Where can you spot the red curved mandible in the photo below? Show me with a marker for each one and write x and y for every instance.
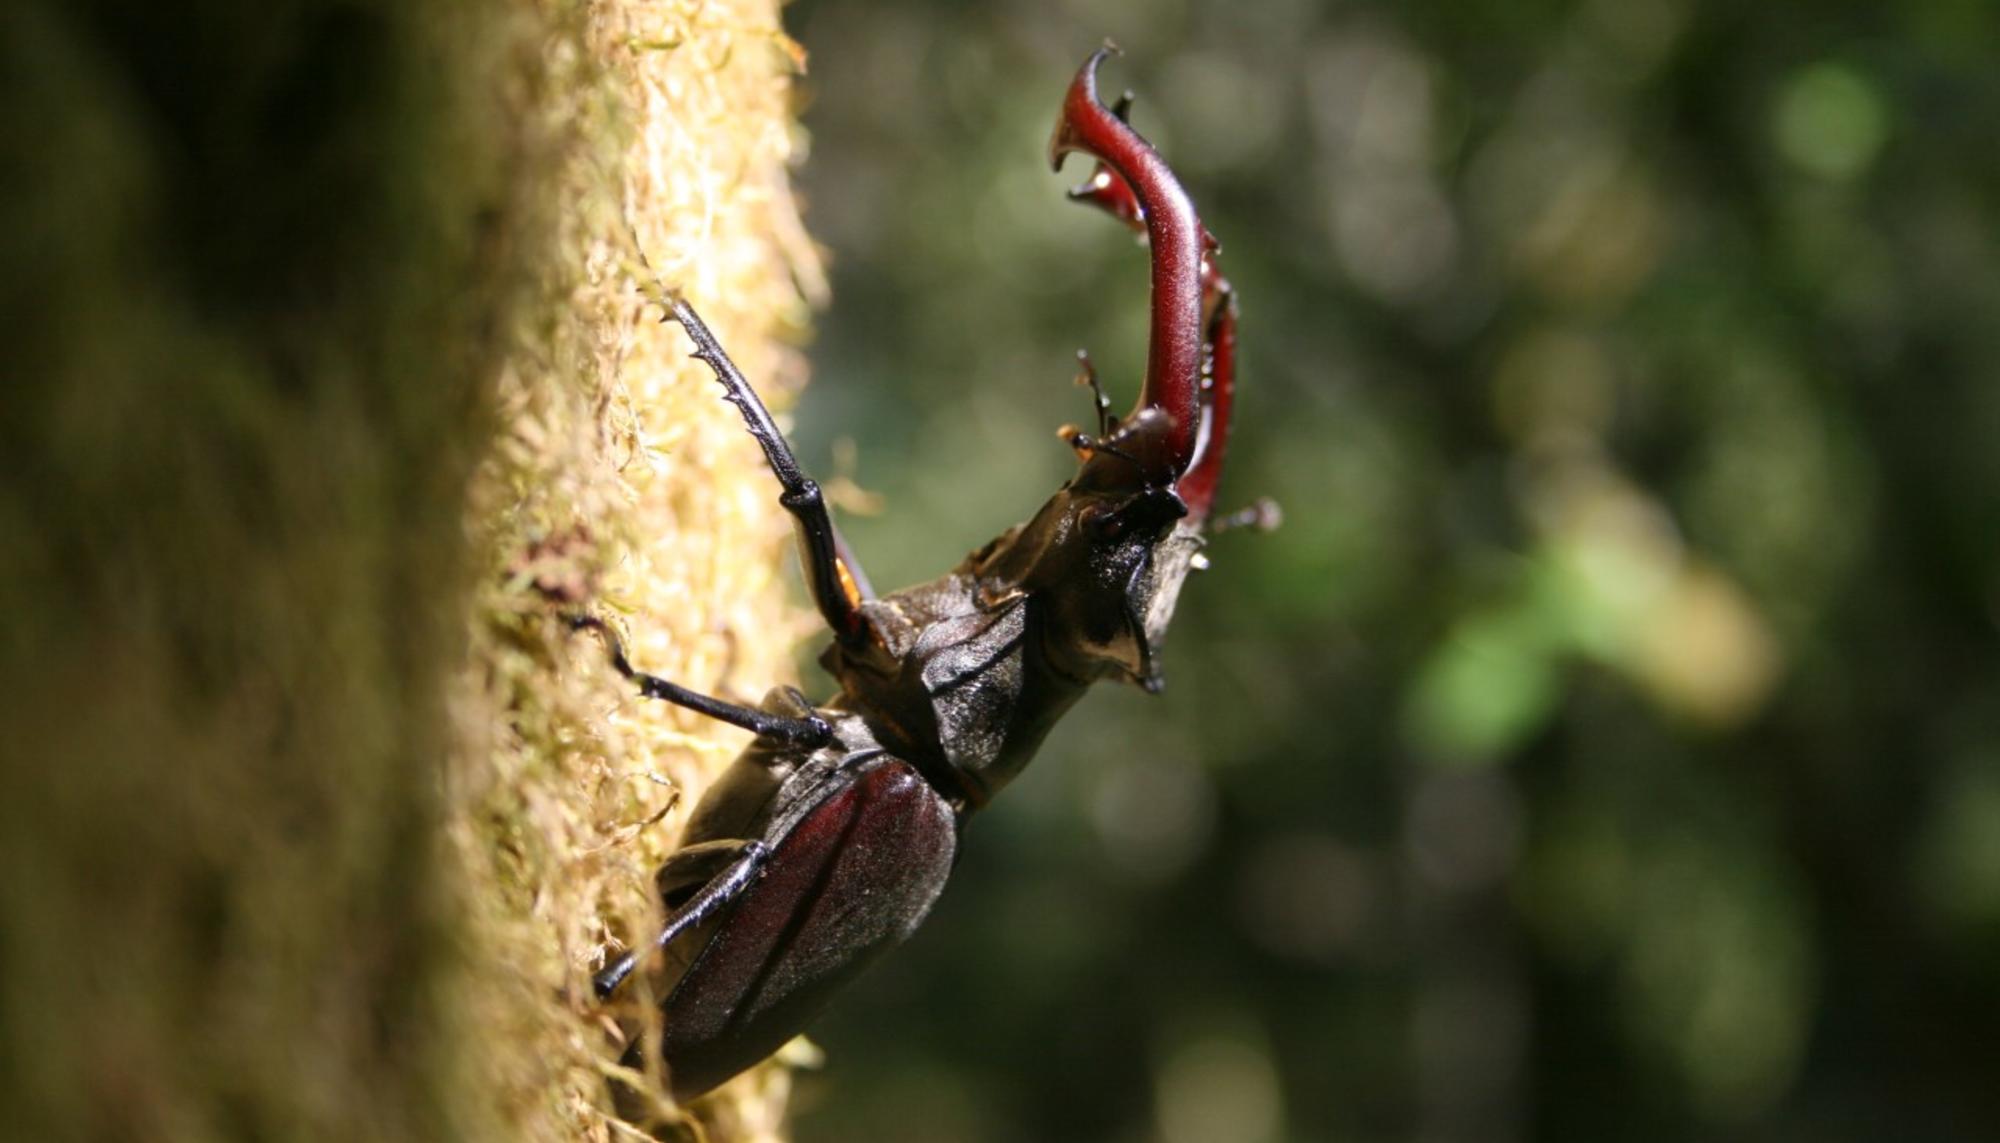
(1174, 354)
(1109, 192)
(1197, 488)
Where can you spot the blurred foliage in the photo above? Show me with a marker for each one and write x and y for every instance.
(1607, 745)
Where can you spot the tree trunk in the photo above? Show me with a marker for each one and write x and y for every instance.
(329, 386)
(623, 486)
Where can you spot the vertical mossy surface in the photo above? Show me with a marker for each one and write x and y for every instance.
(315, 316)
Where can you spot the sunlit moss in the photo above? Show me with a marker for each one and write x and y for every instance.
(623, 486)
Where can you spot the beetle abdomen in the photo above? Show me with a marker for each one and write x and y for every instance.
(849, 882)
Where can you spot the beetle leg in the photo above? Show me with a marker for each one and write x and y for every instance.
(812, 731)
(692, 866)
(745, 859)
(832, 573)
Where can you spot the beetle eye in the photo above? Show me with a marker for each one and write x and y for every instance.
(1105, 524)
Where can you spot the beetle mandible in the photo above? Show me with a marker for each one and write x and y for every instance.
(827, 841)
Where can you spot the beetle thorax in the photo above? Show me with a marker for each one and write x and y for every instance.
(1105, 559)
(965, 675)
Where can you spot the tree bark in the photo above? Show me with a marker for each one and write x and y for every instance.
(623, 486)
(328, 385)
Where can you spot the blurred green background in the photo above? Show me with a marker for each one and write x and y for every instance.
(1608, 746)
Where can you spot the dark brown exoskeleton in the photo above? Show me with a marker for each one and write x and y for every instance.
(827, 841)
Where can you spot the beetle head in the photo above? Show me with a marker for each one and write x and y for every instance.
(1106, 556)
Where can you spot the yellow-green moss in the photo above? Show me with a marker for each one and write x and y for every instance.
(621, 480)
(257, 260)
(324, 340)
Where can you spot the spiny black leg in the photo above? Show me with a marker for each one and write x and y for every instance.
(837, 585)
(811, 732)
(723, 888)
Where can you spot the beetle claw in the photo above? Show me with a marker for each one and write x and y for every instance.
(668, 298)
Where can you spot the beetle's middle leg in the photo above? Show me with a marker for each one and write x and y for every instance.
(811, 731)
(832, 574)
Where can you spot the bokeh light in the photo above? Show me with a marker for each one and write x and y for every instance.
(1605, 747)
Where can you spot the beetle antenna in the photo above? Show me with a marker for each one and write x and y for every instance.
(1086, 374)
(1085, 444)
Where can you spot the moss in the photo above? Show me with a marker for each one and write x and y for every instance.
(621, 483)
(321, 314)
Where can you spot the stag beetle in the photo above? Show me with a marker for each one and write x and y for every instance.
(828, 840)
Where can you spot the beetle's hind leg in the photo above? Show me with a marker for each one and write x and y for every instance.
(811, 731)
(832, 574)
(723, 869)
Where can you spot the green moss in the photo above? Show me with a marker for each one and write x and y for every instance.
(290, 283)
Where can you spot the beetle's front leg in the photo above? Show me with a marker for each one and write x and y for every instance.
(832, 574)
(811, 731)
